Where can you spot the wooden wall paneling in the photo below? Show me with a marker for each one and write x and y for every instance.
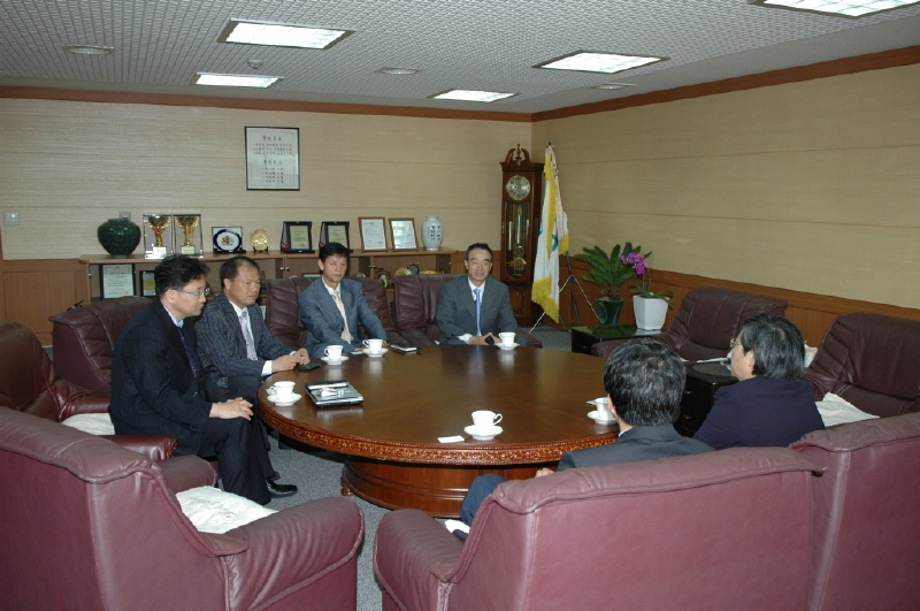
(33, 290)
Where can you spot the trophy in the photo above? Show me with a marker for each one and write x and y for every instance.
(157, 224)
(188, 222)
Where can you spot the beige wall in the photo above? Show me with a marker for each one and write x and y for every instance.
(812, 186)
(68, 166)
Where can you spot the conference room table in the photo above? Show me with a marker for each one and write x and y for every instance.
(392, 455)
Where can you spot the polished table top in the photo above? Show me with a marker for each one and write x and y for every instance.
(411, 400)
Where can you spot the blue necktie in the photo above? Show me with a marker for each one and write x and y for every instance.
(478, 302)
(192, 359)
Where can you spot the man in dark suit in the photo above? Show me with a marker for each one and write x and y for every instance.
(159, 386)
(233, 342)
(332, 307)
(644, 381)
(474, 308)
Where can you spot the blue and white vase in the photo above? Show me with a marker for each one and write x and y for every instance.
(432, 233)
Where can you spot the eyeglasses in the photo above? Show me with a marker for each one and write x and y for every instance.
(736, 341)
(196, 294)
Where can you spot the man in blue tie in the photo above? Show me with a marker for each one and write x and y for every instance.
(474, 308)
(159, 386)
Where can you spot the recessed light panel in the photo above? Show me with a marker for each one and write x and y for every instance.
(235, 80)
(467, 95)
(842, 9)
(608, 63)
(280, 35)
(89, 49)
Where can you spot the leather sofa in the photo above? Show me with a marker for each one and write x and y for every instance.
(870, 360)
(708, 319)
(84, 339)
(722, 530)
(88, 525)
(29, 383)
(282, 313)
(866, 531)
(415, 309)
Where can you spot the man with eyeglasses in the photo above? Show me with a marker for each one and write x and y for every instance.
(159, 385)
(474, 308)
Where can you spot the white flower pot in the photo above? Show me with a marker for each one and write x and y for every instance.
(650, 313)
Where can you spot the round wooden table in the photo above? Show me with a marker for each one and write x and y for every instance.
(392, 454)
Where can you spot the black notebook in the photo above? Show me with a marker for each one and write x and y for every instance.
(325, 394)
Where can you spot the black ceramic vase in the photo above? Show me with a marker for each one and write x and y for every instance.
(119, 237)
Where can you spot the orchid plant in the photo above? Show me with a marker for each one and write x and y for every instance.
(609, 272)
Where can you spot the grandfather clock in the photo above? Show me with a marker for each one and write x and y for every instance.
(522, 199)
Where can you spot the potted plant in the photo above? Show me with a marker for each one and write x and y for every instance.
(650, 308)
(609, 272)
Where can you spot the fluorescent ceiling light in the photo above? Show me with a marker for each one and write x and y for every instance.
(280, 35)
(608, 63)
(613, 86)
(842, 9)
(471, 96)
(89, 49)
(399, 71)
(235, 80)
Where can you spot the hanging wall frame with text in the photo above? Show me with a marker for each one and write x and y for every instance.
(273, 158)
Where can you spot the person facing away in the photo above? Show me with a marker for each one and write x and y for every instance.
(332, 308)
(233, 341)
(159, 386)
(644, 381)
(476, 307)
(771, 404)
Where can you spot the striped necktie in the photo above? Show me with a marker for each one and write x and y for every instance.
(247, 335)
(478, 301)
(337, 298)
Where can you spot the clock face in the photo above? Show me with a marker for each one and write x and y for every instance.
(518, 187)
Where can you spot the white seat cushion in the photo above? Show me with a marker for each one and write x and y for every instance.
(214, 511)
(836, 410)
(94, 424)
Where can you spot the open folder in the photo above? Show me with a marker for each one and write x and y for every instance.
(340, 392)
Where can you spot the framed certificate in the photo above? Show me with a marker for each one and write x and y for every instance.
(297, 236)
(334, 231)
(373, 236)
(273, 158)
(148, 284)
(402, 234)
(117, 280)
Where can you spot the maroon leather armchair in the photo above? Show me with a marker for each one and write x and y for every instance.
(29, 383)
(415, 309)
(708, 320)
(84, 339)
(88, 525)
(867, 535)
(723, 530)
(872, 361)
(282, 312)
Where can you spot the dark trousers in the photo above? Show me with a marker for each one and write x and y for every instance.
(248, 388)
(481, 487)
(242, 456)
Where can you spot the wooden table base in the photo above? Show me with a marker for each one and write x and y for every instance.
(435, 489)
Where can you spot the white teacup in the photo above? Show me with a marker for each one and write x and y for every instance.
(507, 338)
(282, 391)
(374, 346)
(603, 409)
(334, 353)
(484, 420)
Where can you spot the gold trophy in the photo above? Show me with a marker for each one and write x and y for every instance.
(158, 224)
(188, 224)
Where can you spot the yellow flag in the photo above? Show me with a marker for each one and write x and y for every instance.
(552, 241)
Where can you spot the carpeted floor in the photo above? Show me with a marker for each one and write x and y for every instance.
(317, 475)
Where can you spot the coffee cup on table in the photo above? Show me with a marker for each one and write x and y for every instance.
(507, 338)
(282, 391)
(333, 353)
(603, 409)
(374, 346)
(484, 421)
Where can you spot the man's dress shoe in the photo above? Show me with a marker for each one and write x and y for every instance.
(278, 490)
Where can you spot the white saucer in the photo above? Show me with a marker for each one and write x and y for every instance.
(331, 362)
(593, 416)
(375, 356)
(294, 399)
(496, 430)
(506, 348)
